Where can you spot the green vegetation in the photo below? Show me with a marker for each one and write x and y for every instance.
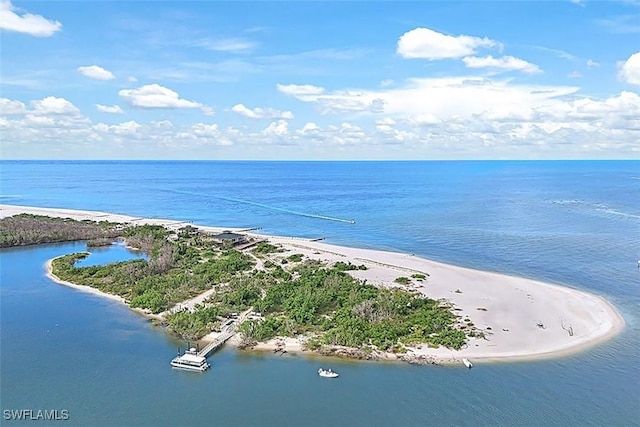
(196, 324)
(266, 248)
(403, 280)
(299, 297)
(26, 229)
(347, 266)
(418, 276)
(340, 310)
(295, 258)
(176, 271)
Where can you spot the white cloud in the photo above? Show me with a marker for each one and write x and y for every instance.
(202, 129)
(630, 70)
(279, 128)
(27, 23)
(201, 133)
(261, 113)
(299, 90)
(53, 105)
(127, 128)
(440, 97)
(429, 44)
(43, 107)
(7, 106)
(114, 109)
(309, 128)
(385, 125)
(156, 96)
(591, 63)
(207, 111)
(96, 72)
(503, 63)
(424, 119)
(574, 75)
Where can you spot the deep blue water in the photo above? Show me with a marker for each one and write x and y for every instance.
(575, 223)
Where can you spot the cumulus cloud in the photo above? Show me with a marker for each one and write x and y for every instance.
(308, 128)
(503, 63)
(429, 44)
(8, 106)
(156, 96)
(630, 70)
(114, 109)
(279, 128)
(96, 72)
(202, 133)
(53, 105)
(261, 113)
(27, 23)
(41, 107)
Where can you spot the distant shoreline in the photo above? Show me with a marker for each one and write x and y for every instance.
(523, 319)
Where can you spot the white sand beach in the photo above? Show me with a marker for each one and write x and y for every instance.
(521, 318)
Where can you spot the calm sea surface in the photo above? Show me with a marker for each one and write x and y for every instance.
(575, 223)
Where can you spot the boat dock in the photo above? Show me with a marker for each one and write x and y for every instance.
(213, 345)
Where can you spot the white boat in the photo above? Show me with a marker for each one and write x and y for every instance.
(327, 373)
(467, 363)
(190, 361)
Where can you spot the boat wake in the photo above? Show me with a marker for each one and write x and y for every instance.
(595, 207)
(262, 205)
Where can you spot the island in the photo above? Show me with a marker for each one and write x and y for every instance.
(289, 294)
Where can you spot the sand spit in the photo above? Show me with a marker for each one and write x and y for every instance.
(521, 318)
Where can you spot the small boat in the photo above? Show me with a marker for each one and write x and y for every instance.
(327, 373)
(467, 363)
(190, 361)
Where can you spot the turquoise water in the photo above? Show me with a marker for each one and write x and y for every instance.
(576, 223)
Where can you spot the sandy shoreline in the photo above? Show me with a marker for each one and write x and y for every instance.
(507, 309)
(94, 291)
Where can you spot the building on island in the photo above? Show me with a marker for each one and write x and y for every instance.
(230, 238)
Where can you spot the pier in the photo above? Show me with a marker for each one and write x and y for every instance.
(221, 339)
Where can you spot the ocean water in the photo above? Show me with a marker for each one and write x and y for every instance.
(573, 223)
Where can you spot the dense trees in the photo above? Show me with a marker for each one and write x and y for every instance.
(25, 229)
(340, 310)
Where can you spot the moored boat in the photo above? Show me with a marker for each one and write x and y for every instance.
(467, 363)
(190, 361)
(327, 373)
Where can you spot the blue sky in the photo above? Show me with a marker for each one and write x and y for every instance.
(320, 80)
